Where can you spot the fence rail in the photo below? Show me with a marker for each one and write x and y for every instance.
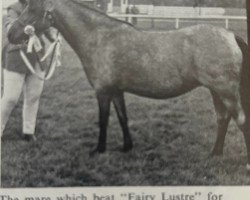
(178, 18)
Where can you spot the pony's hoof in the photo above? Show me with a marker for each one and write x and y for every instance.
(216, 153)
(96, 151)
(126, 149)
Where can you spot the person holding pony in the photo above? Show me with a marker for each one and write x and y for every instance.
(18, 78)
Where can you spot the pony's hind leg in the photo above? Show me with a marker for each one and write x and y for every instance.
(245, 128)
(242, 120)
(246, 131)
(223, 119)
(120, 107)
(245, 97)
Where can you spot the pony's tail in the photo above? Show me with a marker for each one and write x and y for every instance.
(245, 77)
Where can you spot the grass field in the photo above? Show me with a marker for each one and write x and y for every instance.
(173, 140)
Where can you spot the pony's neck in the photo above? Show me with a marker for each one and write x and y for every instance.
(67, 20)
(79, 24)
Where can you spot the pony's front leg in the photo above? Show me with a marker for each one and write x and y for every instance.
(104, 101)
(120, 108)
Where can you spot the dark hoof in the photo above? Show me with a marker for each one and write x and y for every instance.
(216, 153)
(29, 138)
(127, 148)
(96, 151)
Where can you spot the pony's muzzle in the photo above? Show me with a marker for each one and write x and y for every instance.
(11, 37)
(15, 37)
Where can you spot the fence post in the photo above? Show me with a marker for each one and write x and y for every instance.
(130, 19)
(152, 23)
(227, 23)
(177, 23)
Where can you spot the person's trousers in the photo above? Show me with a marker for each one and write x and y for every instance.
(14, 84)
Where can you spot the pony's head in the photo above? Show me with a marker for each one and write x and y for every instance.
(37, 13)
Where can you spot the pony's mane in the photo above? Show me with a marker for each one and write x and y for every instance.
(82, 4)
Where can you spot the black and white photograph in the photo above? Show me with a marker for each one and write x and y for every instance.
(125, 93)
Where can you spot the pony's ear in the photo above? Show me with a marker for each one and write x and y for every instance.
(49, 5)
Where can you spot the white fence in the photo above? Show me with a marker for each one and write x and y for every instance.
(172, 10)
(178, 18)
(175, 10)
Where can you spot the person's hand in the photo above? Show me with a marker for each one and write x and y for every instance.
(29, 30)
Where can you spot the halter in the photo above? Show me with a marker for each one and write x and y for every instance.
(47, 14)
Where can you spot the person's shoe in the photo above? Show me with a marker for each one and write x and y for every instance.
(29, 138)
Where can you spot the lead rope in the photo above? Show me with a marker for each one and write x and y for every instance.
(34, 43)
